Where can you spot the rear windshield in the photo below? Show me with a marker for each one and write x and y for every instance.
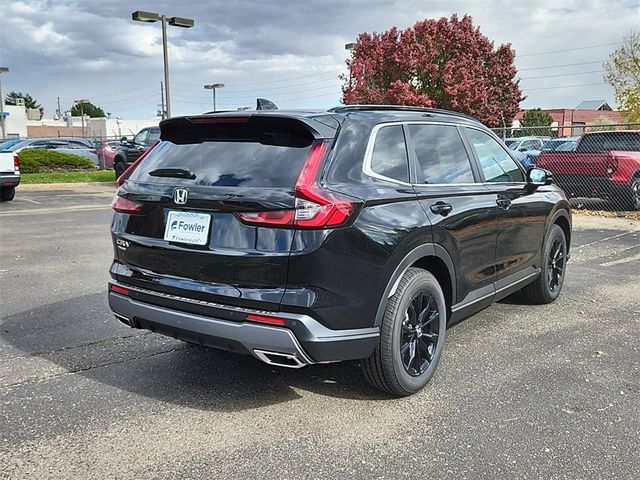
(248, 155)
(606, 142)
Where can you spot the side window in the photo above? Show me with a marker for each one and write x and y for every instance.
(154, 136)
(389, 157)
(495, 162)
(141, 138)
(441, 154)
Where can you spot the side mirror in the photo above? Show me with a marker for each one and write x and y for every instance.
(539, 176)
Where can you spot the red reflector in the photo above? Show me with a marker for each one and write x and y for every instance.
(117, 289)
(16, 162)
(265, 319)
(123, 205)
(274, 217)
(220, 120)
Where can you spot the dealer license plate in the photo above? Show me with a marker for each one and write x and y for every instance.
(187, 227)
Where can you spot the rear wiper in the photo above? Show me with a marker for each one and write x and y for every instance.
(173, 172)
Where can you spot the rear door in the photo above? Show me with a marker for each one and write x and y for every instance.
(213, 169)
(461, 210)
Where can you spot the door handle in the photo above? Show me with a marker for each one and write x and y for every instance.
(503, 202)
(441, 208)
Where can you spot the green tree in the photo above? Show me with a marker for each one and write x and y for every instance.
(87, 108)
(536, 118)
(601, 124)
(622, 72)
(29, 102)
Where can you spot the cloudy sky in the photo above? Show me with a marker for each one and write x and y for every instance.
(291, 52)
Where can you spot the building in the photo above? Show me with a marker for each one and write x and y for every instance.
(578, 119)
(18, 124)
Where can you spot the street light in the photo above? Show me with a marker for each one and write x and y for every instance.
(2, 114)
(213, 88)
(150, 17)
(82, 102)
(350, 47)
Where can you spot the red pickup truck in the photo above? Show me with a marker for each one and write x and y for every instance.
(604, 165)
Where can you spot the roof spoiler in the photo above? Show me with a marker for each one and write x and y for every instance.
(264, 104)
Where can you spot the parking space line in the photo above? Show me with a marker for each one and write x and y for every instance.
(603, 240)
(28, 200)
(79, 208)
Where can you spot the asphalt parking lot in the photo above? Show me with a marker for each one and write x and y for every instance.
(521, 392)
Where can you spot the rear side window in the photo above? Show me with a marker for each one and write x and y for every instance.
(496, 164)
(441, 154)
(605, 142)
(389, 157)
(246, 155)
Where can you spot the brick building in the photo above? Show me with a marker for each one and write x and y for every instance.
(579, 118)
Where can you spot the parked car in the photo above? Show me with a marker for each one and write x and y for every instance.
(9, 175)
(525, 144)
(5, 145)
(128, 152)
(107, 149)
(76, 146)
(357, 233)
(565, 144)
(604, 165)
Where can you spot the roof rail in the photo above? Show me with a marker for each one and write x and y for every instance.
(403, 108)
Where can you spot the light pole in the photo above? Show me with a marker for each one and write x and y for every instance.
(81, 102)
(213, 87)
(350, 47)
(150, 17)
(4, 133)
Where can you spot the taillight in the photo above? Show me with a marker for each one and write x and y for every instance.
(127, 173)
(315, 207)
(612, 165)
(124, 205)
(16, 163)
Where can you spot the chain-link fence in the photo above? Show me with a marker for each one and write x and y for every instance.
(598, 166)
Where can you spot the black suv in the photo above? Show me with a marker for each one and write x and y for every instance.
(357, 233)
(128, 152)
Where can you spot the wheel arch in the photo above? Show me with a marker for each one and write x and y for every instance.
(431, 257)
(561, 218)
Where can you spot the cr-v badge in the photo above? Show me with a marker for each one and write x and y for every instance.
(180, 196)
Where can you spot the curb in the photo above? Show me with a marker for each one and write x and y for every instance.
(63, 186)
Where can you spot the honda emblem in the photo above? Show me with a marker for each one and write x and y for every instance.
(180, 196)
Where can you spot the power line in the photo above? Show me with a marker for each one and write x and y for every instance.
(267, 82)
(569, 49)
(560, 66)
(565, 86)
(562, 75)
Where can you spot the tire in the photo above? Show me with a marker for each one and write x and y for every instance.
(119, 168)
(546, 288)
(7, 193)
(633, 199)
(391, 368)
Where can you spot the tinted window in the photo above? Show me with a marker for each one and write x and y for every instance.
(154, 136)
(441, 154)
(605, 142)
(240, 155)
(389, 156)
(495, 162)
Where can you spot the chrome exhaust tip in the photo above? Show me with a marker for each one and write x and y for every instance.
(278, 359)
(123, 319)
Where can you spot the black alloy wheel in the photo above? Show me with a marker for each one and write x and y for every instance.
(555, 265)
(420, 331)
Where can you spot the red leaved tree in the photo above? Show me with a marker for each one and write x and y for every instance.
(444, 63)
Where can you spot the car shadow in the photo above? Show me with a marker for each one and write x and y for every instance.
(82, 336)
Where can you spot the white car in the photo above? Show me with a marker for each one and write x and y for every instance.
(9, 175)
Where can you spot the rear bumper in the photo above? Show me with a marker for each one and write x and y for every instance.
(9, 180)
(303, 340)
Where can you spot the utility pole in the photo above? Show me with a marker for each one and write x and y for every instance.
(59, 111)
(2, 114)
(163, 111)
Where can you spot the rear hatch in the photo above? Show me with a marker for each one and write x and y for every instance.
(185, 220)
